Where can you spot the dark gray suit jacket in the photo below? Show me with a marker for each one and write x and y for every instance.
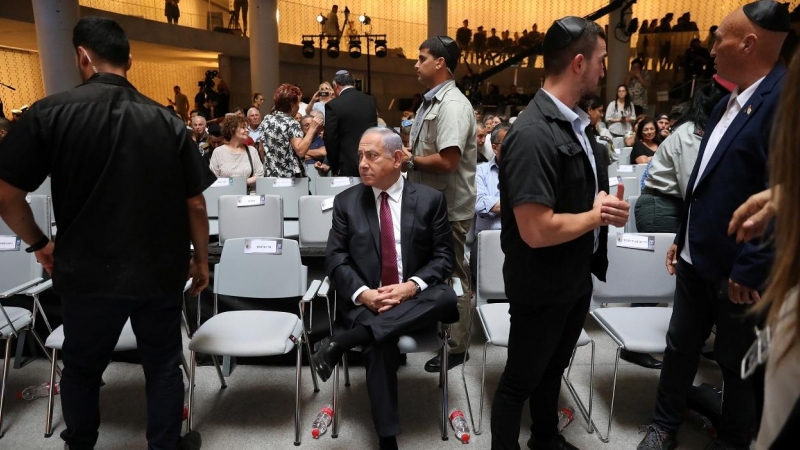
(353, 254)
(346, 119)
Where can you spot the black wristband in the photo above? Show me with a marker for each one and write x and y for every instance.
(39, 245)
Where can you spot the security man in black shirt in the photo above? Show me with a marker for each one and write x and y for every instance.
(555, 182)
(128, 186)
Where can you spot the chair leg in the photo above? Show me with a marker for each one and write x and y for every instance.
(48, 424)
(443, 371)
(311, 366)
(298, 370)
(346, 370)
(4, 381)
(44, 349)
(222, 383)
(184, 364)
(192, 366)
(475, 429)
(335, 419)
(611, 409)
(586, 413)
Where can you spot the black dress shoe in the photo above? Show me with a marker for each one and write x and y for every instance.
(325, 358)
(557, 443)
(190, 441)
(387, 443)
(640, 359)
(434, 365)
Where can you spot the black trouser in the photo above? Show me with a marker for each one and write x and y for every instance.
(540, 345)
(91, 329)
(696, 309)
(382, 357)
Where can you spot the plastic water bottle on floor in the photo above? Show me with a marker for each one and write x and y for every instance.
(38, 391)
(322, 422)
(565, 416)
(460, 426)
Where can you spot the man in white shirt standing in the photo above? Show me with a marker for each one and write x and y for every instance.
(717, 278)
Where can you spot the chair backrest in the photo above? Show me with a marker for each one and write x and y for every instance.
(618, 142)
(490, 267)
(291, 189)
(46, 189)
(275, 273)
(632, 186)
(631, 226)
(17, 266)
(636, 275)
(238, 219)
(626, 170)
(625, 155)
(334, 185)
(315, 223)
(223, 186)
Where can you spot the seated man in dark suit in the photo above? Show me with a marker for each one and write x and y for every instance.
(389, 253)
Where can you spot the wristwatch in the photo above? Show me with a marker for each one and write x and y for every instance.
(419, 289)
(410, 166)
(42, 243)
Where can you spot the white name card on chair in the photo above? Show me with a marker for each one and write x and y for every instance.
(9, 244)
(250, 200)
(283, 182)
(613, 181)
(341, 181)
(327, 204)
(626, 168)
(636, 241)
(266, 246)
(222, 182)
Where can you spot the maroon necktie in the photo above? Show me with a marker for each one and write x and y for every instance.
(388, 249)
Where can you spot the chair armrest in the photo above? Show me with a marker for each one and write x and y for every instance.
(312, 291)
(21, 287)
(39, 288)
(324, 287)
(456, 285)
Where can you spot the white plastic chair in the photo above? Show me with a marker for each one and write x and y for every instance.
(433, 339)
(239, 219)
(290, 189)
(269, 275)
(631, 226)
(234, 186)
(635, 276)
(496, 322)
(334, 185)
(315, 222)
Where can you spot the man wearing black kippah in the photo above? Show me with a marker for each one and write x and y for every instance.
(718, 279)
(554, 180)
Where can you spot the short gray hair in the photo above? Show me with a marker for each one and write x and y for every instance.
(502, 126)
(391, 141)
(317, 114)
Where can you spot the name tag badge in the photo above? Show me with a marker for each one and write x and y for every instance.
(341, 181)
(626, 168)
(636, 241)
(222, 182)
(283, 182)
(613, 181)
(327, 204)
(250, 200)
(9, 243)
(263, 246)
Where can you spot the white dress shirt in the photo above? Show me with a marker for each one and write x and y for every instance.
(735, 105)
(395, 201)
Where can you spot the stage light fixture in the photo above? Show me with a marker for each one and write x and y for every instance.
(365, 19)
(308, 48)
(321, 19)
(380, 48)
(333, 47)
(355, 48)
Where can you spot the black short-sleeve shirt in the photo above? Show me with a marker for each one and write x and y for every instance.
(122, 167)
(639, 149)
(543, 162)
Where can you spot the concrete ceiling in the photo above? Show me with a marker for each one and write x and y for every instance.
(22, 35)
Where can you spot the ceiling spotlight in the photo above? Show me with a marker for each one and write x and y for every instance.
(333, 47)
(380, 48)
(355, 48)
(321, 19)
(365, 19)
(308, 48)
